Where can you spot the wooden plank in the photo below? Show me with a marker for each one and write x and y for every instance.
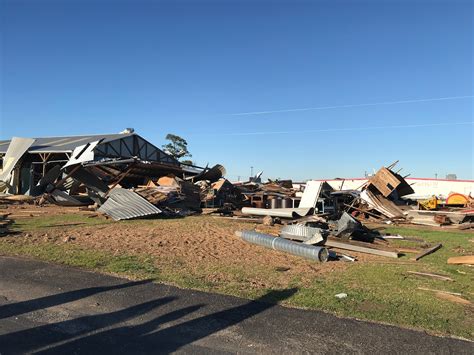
(439, 291)
(346, 246)
(408, 250)
(434, 276)
(453, 298)
(468, 259)
(428, 251)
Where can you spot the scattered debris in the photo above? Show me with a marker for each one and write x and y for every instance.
(428, 252)
(430, 275)
(347, 258)
(307, 235)
(291, 213)
(460, 260)
(452, 298)
(440, 291)
(346, 246)
(393, 237)
(126, 204)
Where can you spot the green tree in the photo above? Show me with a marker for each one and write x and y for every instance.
(177, 147)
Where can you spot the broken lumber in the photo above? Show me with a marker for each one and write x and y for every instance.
(439, 291)
(428, 251)
(434, 276)
(347, 246)
(467, 259)
(408, 250)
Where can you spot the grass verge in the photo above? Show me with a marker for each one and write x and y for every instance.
(379, 290)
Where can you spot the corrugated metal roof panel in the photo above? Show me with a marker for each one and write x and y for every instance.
(126, 204)
(64, 144)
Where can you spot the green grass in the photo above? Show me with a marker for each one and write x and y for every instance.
(126, 265)
(378, 291)
(56, 221)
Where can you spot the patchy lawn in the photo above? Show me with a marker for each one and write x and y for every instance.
(202, 252)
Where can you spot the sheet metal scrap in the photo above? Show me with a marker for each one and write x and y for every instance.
(307, 235)
(17, 148)
(381, 204)
(346, 225)
(212, 174)
(125, 204)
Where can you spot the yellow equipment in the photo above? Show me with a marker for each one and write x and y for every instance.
(457, 199)
(429, 205)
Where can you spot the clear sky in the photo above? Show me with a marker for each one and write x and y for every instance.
(194, 68)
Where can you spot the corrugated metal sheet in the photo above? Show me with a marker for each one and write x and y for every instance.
(126, 204)
(63, 144)
(14, 152)
(303, 233)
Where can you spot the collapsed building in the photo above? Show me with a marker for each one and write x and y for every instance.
(77, 170)
(30, 160)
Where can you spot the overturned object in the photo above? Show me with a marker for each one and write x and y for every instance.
(126, 204)
(306, 251)
(386, 182)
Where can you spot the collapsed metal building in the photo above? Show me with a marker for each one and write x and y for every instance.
(97, 161)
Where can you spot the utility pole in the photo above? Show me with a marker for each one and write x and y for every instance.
(251, 171)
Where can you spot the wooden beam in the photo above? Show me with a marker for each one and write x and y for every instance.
(347, 246)
(428, 251)
(434, 276)
(468, 259)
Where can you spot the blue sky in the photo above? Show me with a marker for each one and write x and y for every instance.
(191, 67)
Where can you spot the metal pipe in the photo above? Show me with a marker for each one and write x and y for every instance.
(310, 252)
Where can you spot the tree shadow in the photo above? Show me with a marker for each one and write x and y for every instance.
(29, 340)
(148, 338)
(18, 308)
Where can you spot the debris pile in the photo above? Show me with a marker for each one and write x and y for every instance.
(309, 238)
(91, 170)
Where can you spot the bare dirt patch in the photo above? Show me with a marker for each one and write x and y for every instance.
(201, 244)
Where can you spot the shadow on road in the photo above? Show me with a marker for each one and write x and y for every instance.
(148, 338)
(18, 308)
(45, 335)
(106, 333)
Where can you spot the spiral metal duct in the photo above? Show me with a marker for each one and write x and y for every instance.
(306, 251)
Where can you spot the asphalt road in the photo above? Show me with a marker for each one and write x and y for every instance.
(47, 308)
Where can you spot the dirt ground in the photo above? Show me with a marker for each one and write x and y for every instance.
(198, 242)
